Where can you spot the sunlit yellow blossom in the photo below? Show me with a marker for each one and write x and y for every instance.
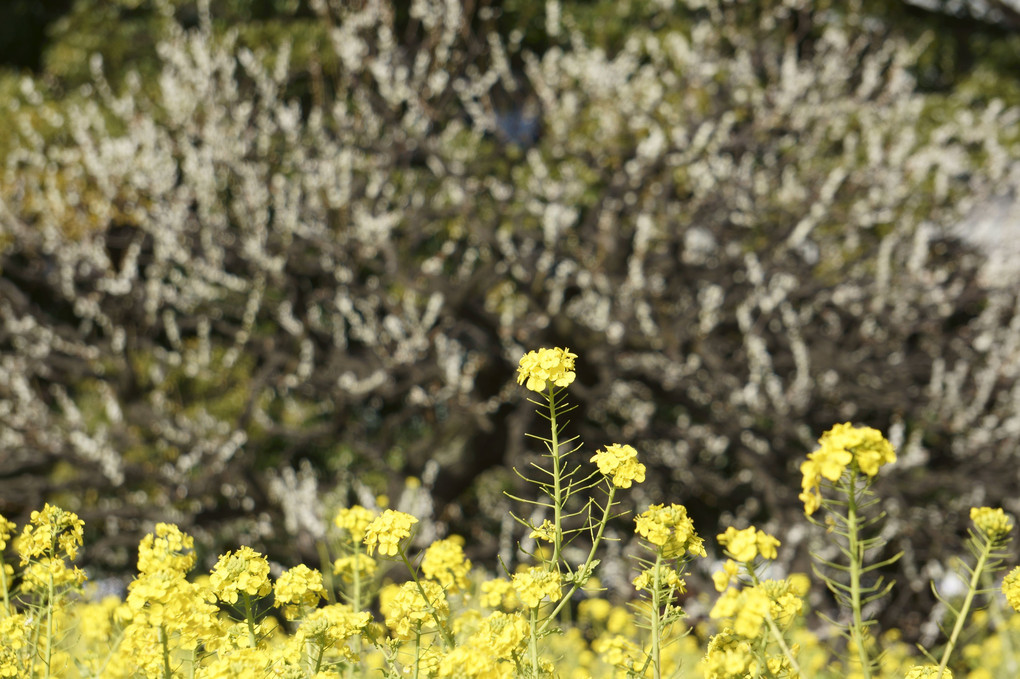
(745, 545)
(616, 650)
(620, 462)
(498, 593)
(50, 531)
(355, 521)
(927, 672)
(502, 633)
(328, 629)
(7, 529)
(668, 578)
(244, 663)
(406, 611)
(535, 584)
(387, 530)
(722, 579)
(839, 447)
(994, 524)
(746, 609)
(14, 638)
(546, 531)
(728, 656)
(671, 529)
(44, 572)
(245, 571)
(444, 562)
(167, 548)
(473, 662)
(546, 365)
(1011, 588)
(297, 588)
(784, 601)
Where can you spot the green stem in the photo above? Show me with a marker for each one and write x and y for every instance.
(656, 621)
(49, 624)
(972, 588)
(249, 616)
(534, 641)
(167, 672)
(587, 562)
(557, 490)
(856, 564)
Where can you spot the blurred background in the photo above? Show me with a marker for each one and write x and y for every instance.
(259, 260)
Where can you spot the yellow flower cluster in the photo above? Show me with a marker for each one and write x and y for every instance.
(745, 545)
(994, 524)
(50, 531)
(242, 572)
(842, 446)
(746, 608)
(329, 628)
(928, 672)
(444, 562)
(620, 462)
(1011, 588)
(546, 365)
(298, 588)
(355, 521)
(167, 548)
(668, 578)
(387, 530)
(346, 565)
(499, 593)
(407, 612)
(535, 584)
(7, 529)
(671, 530)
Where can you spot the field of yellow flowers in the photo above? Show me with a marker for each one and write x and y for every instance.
(449, 618)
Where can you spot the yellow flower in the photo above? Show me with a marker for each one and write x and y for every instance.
(407, 612)
(728, 656)
(745, 545)
(245, 571)
(746, 608)
(546, 365)
(620, 462)
(927, 672)
(6, 531)
(839, 447)
(498, 593)
(1011, 588)
(616, 650)
(444, 562)
(994, 524)
(297, 588)
(355, 521)
(502, 633)
(330, 627)
(535, 584)
(670, 529)
(387, 530)
(546, 531)
(166, 549)
(48, 532)
(722, 579)
(668, 577)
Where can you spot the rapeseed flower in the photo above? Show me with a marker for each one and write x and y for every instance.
(840, 447)
(994, 524)
(620, 462)
(407, 612)
(355, 521)
(7, 529)
(50, 531)
(1011, 588)
(346, 565)
(670, 529)
(329, 628)
(746, 608)
(546, 365)
(502, 633)
(729, 656)
(167, 548)
(297, 588)
(745, 545)
(242, 572)
(444, 562)
(722, 579)
(927, 672)
(535, 584)
(387, 530)
(668, 577)
(498, 593)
